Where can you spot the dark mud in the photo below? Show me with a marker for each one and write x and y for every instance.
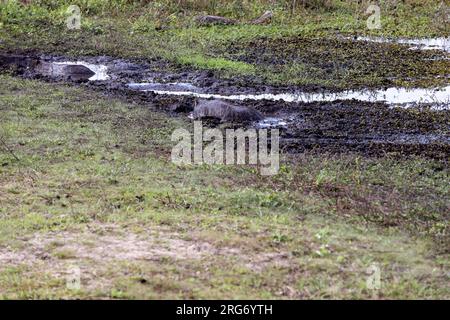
(337, 126)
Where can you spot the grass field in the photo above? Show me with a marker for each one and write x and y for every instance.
(86, 181)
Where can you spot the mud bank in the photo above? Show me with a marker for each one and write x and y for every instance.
(362, 121)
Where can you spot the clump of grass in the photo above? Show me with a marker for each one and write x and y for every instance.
(203, 62)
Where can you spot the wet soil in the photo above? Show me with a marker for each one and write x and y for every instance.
(358, 64)
(370, 128)
(336, 126)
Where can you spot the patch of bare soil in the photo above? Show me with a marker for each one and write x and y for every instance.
(98, 247)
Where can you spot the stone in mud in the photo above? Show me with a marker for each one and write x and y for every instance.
(225, 111)
(77, 72)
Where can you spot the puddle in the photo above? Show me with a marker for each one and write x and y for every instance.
(99, 69)
(271, 122)
(442, 43)
(401, 97)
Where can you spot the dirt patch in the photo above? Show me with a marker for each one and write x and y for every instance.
(97, 247)
(105, 244)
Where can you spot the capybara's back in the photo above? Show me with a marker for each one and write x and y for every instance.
(225, 111)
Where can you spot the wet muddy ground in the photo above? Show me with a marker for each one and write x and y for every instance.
(404, 121)
(341, 63)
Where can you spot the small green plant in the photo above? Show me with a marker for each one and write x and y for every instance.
(324, 177)
(117, 294)
(280, 238)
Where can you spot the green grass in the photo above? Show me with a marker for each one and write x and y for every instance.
(163, 30)
(201, 62)
(85, 171)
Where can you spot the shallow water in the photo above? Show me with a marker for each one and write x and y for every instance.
(101, 71)
(402, 97)
(271, 122)
(422, 44)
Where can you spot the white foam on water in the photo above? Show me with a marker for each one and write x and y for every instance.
(101, 71)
